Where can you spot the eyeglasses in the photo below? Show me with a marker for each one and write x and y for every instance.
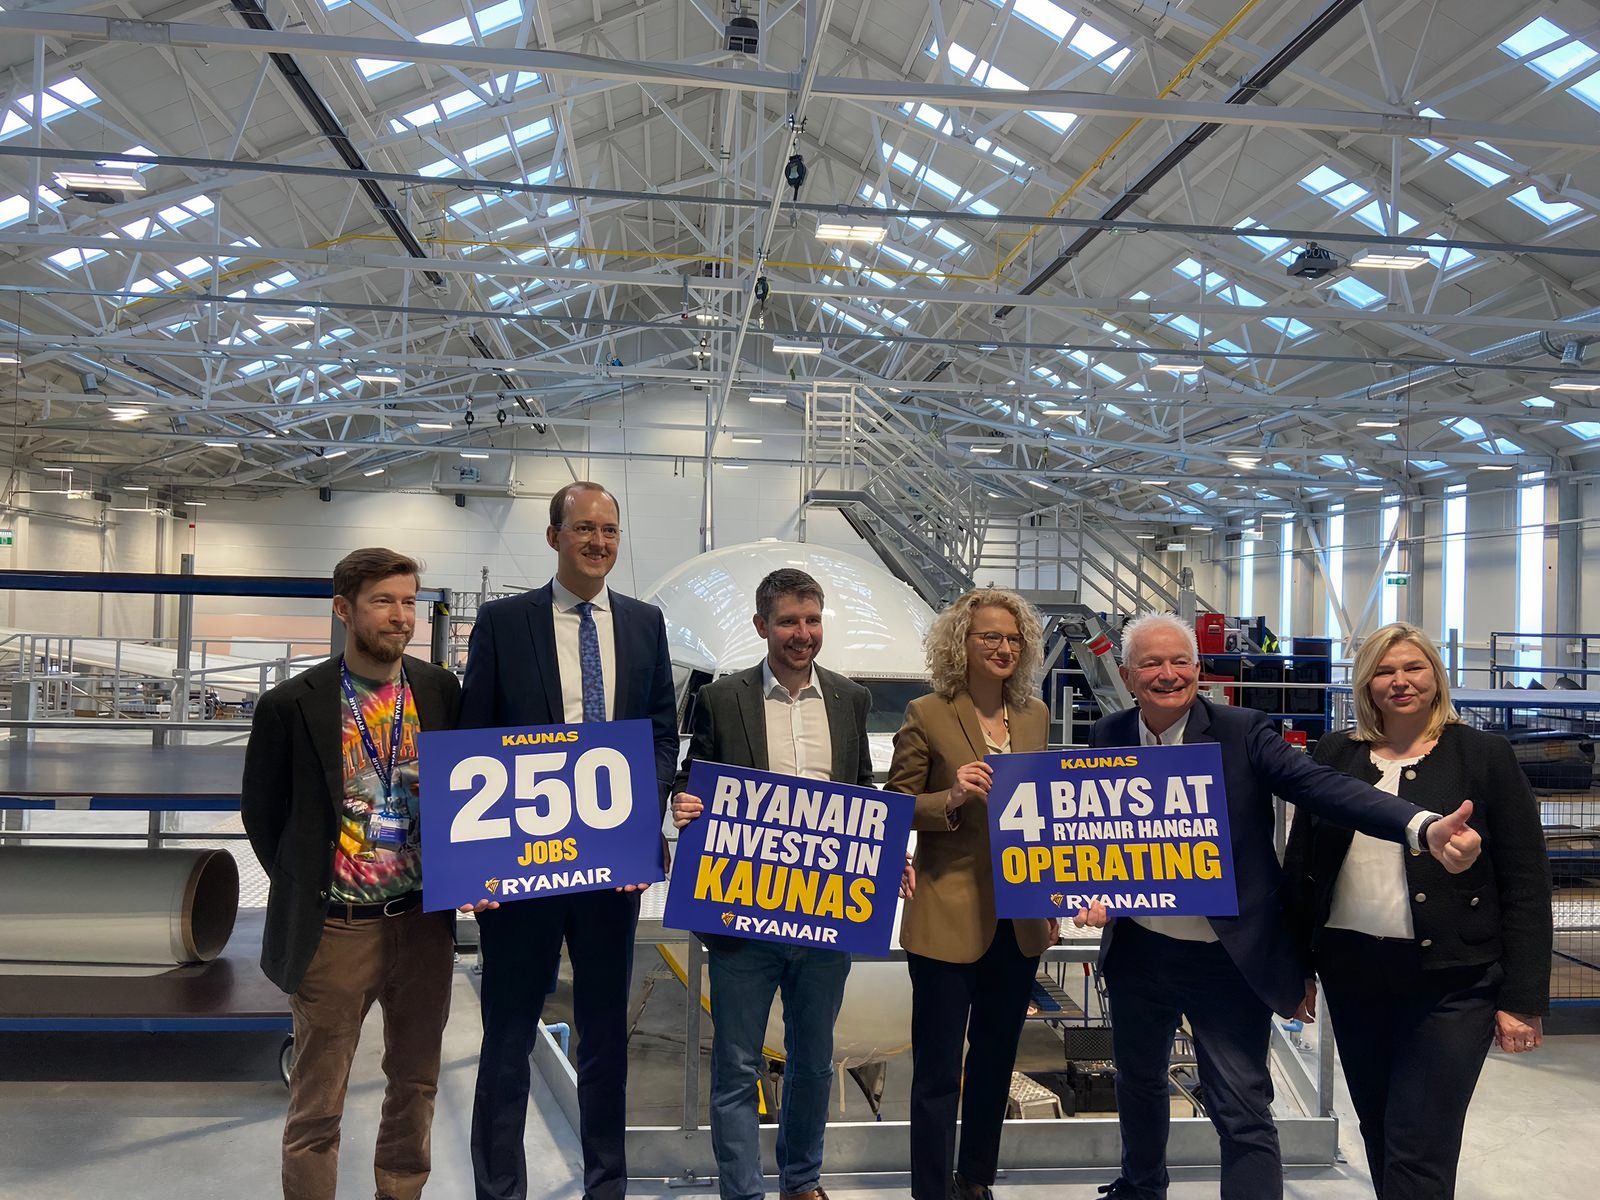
(991, 640)
(587, 530)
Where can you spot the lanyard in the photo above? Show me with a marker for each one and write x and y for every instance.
(385, 775)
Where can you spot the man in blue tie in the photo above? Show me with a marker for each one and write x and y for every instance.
(570, 651)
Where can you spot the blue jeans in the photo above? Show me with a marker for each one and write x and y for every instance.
(743, 983)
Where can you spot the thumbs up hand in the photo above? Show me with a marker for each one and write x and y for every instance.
(1453, 842)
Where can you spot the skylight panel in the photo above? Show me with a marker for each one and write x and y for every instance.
(452, 33)
(986, 74)
(1337, 460)
(1268, 245)
(1560, 62)
(1353, 291)
(1587, 431)
(1465, 428)
(1550, 212)
(1502, 445)
(62, 97)
(858, 325)
(1290, 327)
(72, 260)
(1085, 39)
(12, 210)
(493, 148)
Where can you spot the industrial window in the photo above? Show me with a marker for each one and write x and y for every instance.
(946, 187)
(493, 148)
(1574, 58)
(1359, 202)
(937, 119)
(1235, 293)
(1530, 570)
(1389, 605)
(1335, 547)
(1247, 577)
(66, 95)
(1285, 628)
(457, 103)
(986, 74)
(1455, 562)
(1082, 37)
(453, 33)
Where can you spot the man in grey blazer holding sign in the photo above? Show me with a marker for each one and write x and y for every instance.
(788, 715)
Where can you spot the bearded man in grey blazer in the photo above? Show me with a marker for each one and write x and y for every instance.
(789, 715)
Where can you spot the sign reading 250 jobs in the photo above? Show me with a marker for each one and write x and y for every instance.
(1142, 829)
(537, 811)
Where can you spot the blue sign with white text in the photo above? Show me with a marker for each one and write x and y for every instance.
(780, 858)
(537, 811)
(1142, 829)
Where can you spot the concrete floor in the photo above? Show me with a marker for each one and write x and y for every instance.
(198, 1117)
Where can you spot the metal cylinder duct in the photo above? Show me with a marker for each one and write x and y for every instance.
(103, 905)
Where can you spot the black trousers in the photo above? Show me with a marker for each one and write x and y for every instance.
(520, 948)
(1153, 981)
(983, 1003)
(1412, 1043)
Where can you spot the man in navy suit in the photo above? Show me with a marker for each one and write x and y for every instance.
(570, 651)
(1227, 975)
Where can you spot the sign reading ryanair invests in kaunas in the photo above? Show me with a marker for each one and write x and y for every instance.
(780, 858)
(1142, 829)
(537, 811)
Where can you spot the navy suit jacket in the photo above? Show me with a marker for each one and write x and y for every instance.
(512, 677)
(1258, 764)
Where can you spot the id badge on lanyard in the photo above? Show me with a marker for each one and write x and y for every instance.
(389, 824)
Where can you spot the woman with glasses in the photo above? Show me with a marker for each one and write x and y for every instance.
(971, 974)
(1422, 969)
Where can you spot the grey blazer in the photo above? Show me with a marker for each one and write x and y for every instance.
(730, 726)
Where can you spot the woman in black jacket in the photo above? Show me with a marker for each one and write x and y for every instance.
(1422, 969)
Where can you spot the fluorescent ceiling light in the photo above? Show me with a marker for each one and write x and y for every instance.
(1389, 260)
(1244, 461)
(1064, 412)
(1039, 484)
(60, 470)
(1201, 528)
(1281, 516)
(8, 359)
(378, 376)
(835, 231)
(336, 454)
(1496, 467)
(1377, 424)
(1145, 537)
(432, 425)
(734, 466)
(374, 471)
(111, 181)
(769, 399)
(797, 347)
(222, 445)
(1368, 487)
(1176, 546)
(1177, 366)
(129, 414)
(287, 318)
(745, 439)
(195, 503)
(132, 488)
(1577, 383)
(1155, 482)
(980, 449)
(472, 454)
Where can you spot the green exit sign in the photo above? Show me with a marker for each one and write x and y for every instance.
(8, 537)
(1397, 578)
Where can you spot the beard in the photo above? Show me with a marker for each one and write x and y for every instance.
(379, 650)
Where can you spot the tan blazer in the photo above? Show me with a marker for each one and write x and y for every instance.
(951, 916)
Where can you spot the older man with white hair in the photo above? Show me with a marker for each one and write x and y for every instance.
(1226, 975)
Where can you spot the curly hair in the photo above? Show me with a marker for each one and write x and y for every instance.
(946, 644)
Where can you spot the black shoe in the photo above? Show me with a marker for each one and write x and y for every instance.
(1120, 1189)
(960, 1189)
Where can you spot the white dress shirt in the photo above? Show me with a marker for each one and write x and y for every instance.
(797, 728)
(1371, 896)
(568, 665)
(1188, 929)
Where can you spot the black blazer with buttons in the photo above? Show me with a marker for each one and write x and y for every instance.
(292, 793)
(1496, 910)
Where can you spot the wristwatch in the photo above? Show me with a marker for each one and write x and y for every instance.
(1422, 833)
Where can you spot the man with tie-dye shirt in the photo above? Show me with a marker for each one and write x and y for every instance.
(330, 802)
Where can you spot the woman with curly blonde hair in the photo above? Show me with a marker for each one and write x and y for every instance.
(985, 656)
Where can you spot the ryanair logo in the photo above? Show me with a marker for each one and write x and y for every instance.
(1057, 899)
(491, 886)
(727, 918)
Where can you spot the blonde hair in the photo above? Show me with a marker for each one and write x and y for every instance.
(946, 644)
(1369, 721)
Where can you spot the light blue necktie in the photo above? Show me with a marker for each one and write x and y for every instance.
(594, 683)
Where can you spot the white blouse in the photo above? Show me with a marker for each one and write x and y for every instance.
(1370, 895)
